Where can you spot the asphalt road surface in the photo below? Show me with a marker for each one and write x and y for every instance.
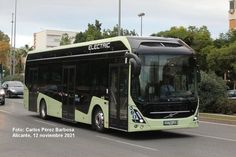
(24, 134)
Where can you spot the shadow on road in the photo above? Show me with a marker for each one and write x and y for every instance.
(146, 135)
(15, 97)
(149, 135)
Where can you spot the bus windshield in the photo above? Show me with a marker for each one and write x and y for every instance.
(165, 78)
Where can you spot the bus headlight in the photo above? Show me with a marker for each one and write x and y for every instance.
(136, 116)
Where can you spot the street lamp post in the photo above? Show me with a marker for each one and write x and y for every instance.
(11, 49)
(14, 51)
(119, 18)
(141, 16)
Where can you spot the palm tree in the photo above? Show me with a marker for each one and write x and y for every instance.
(21, 54)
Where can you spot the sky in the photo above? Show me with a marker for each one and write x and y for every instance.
(74, 15)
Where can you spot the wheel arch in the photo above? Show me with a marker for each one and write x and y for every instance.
(40, 102)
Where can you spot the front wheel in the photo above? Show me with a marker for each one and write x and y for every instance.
(98, 120)
(43, 110)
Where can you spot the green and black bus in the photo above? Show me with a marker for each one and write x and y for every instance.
(123, 83)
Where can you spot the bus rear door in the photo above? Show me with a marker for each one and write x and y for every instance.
(33, 89)
(68, 104)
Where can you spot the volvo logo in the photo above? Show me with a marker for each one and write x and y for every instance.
(171, 115)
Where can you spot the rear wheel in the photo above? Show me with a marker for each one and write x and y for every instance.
(98, 120)
(43, 110)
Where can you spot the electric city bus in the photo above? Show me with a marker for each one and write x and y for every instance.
(124, 83)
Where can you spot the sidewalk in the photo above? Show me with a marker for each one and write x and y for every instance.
(218, 118)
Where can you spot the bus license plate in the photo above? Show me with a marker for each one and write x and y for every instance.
(170, 122)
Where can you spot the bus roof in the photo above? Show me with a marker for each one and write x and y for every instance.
(131, 42)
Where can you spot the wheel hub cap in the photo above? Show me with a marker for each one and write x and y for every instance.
(99, 120)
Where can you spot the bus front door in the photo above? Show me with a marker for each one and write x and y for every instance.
(118, 97)
(68, 96)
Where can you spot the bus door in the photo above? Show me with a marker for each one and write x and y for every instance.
(118, 96)
(68, 96)
(33, 89)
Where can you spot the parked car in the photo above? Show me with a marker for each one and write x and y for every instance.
(2, 96)
(13, 88)
(231, 94)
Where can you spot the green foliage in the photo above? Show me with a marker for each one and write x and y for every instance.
(4, 37)
(197, 38)
(16, 77)
(94, 32)
(231, 106)
(4, 47)
(225, 39)
(107, 33)
(65, 39)
(225, 106)
(223, 60)
(212, 93)
(20, 56)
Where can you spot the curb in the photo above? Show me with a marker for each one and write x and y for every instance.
(219, 118)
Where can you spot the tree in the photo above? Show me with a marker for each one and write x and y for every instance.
(24, 50)
(107, 33)
(80, 37)
(176, 32)
(20, 56)
(94, 32)
(4, 37)
(213, 94)
(4, 47)
(65, 39)
(223, 62)
(197, 38)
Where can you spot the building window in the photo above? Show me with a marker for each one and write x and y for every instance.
(231, 5)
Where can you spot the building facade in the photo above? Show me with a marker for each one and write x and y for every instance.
(232, 14)
(50, 38)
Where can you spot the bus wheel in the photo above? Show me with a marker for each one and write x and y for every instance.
(43, 110)
(98, 120)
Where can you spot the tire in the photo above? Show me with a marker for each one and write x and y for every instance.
(43, 110)
(98, 120)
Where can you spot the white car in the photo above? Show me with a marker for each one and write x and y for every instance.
(13, 88)
(2, 96)
(231, 94)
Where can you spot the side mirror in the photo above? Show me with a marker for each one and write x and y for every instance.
(135, 62)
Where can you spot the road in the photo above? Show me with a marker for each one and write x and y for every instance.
(209, 140)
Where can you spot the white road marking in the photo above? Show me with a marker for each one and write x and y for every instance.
(130, 144)
(208, 136)
(218, 123)
(5, 111)
(45, 122)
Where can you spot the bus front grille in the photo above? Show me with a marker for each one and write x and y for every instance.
(169, 110)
